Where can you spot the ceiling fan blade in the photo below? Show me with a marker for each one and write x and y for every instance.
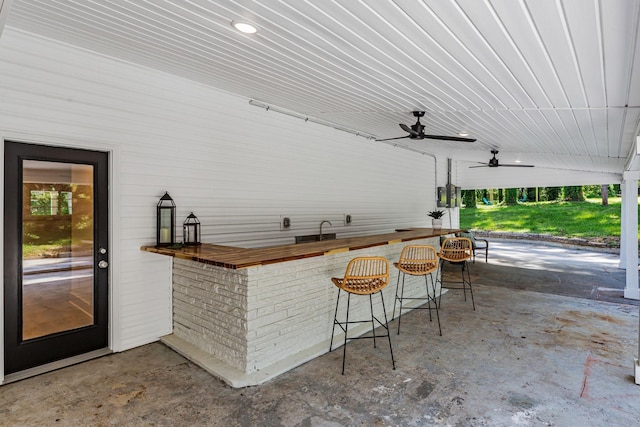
(486, 165)
(389, 139)
(409, 130)
(449, 138)
(516, 166)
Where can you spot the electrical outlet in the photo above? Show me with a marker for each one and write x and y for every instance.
(286, 222)
(347, 219)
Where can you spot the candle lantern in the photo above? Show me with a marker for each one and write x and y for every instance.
(191, 230)
(165, 221)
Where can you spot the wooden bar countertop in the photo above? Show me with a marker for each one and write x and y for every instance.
(234, 257)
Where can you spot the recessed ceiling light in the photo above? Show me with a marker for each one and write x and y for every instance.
(463, 133)
(518, 161)
(244, 27)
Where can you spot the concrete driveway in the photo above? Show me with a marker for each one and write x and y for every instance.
(555, 270)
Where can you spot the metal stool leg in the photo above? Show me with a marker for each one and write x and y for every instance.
(433, 287)
(470, 288)
(335, 319)
(346, 326)
(464, 285)
(401, 298)
(373, 325)
(435, 303)
(386, 325)
(393, 315)
(440, 275)
(426, 285)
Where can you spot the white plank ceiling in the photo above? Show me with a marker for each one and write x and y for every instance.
(555, 83)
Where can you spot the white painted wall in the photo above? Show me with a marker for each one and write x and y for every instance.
(238, 168)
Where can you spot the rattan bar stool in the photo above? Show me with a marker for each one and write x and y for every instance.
(417, 260)
(364, 276)
(458, 251)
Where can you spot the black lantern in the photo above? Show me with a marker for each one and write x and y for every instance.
(165, 221)
(191, 230)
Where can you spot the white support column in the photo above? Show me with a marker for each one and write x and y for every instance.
(629, 233)
(623, 235)
(629, 236)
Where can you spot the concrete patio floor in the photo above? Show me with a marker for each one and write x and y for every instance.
(522, 358)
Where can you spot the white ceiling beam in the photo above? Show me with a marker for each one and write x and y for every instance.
(5, 6)
(633, 161)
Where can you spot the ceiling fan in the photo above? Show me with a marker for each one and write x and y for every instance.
(417, 132)
(493, 163)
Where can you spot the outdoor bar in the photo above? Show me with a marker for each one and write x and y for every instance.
(249, 314)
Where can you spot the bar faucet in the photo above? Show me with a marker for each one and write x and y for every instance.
(321, 227)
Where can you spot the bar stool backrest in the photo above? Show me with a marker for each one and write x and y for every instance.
(418, 260)
(456, 249)
(365, 275)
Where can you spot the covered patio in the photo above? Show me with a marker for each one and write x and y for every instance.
(310, 121)
(531, 354)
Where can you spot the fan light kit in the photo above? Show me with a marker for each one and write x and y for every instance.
(494, 163)
(417, 132)
(244, 27)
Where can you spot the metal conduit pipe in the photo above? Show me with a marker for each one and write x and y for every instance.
(306, 118)
(435, 164)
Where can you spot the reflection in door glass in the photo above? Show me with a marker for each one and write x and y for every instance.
(57, 247)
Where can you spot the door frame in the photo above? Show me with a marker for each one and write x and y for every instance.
(114, 336)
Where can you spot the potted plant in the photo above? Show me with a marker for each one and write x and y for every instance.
(436, 218)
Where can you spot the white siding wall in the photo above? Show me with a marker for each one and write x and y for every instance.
(238, 168)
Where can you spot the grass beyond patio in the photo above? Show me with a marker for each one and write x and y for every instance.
(588, 220)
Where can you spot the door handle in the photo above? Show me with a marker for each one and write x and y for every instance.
(103, 264)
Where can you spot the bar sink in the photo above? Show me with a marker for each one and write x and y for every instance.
(315, 237)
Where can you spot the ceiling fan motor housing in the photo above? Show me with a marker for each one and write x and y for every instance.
(417, 128)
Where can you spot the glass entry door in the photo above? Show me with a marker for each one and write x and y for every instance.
(56, 254)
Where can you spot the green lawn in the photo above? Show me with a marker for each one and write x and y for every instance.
(589, 219)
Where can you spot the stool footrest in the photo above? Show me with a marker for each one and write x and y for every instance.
(461, 285)
(339, 323)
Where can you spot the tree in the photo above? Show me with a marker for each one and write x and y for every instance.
(616, 189)
(552, 193)
(469, 199)
(574, 193)
(511, 196)
(592, 191)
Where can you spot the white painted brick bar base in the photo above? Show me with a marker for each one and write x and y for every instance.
(277, 315)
